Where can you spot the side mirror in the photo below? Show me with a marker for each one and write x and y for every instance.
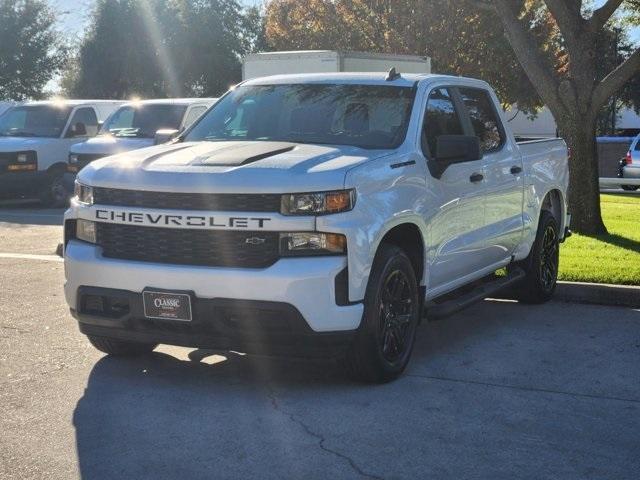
(163, 136)
(452, 149)
(79, 129)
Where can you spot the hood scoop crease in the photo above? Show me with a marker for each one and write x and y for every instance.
(245, 154)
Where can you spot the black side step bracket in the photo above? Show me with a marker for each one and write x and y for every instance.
(435, 310)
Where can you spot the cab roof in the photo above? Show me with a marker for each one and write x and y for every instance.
(365, 78)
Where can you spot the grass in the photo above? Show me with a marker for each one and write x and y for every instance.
(612, 258)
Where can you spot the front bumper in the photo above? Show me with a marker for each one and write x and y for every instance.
(306, 285)
(17, 184)
(221, 324)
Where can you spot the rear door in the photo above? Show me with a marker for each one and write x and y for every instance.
(503, 184)
(455, 224)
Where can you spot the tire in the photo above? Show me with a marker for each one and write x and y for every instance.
(630, 188)
(119, 348)
(381, 350)
(54, 194)
(541, 266)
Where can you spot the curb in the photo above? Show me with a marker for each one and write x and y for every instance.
(599, 294)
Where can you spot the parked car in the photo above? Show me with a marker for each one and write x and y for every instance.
(138, 125)
(34, 145)
(630, 165)
(316, 213)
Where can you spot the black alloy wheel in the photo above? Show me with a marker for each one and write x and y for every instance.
(549, 258)
(395, 314)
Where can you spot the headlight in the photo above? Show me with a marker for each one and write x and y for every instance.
(83, 193)
(73, 158)
(22, 158)
(86, 230)
(312, 243)
(318, 203)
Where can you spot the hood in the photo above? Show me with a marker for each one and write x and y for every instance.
(19, 144)
(229, 167)
(109, 145)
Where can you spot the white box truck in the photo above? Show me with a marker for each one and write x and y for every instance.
(329, 61)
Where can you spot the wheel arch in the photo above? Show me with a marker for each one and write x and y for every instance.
(554, 203)
(58, 167)
(408, 237)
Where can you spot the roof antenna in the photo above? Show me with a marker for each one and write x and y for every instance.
(392, 75)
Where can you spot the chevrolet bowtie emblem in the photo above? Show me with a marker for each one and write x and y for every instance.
(255, 241)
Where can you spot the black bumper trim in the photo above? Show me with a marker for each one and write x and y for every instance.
(274, 328)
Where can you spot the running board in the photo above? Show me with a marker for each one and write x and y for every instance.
(435, 311)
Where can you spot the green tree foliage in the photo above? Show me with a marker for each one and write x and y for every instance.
(31, 50)
(459, 38)
(215, 35)
(155, 48)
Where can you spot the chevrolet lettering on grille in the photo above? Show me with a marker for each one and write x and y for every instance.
(162, 219)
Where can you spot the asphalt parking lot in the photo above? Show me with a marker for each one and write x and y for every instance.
(498, 391)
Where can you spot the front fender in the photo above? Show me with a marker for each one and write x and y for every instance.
(386, 198)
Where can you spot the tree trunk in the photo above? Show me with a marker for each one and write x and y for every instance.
(584, 190)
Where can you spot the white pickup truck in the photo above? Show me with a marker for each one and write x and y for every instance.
(34, 145)
(316, 214)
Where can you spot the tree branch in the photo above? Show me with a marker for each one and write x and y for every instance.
(526, 49)
(603, 14)
(615, 80)
(568, 19)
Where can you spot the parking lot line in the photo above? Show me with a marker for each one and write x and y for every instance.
(29, 256)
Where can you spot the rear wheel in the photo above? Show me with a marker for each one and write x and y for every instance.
(384, 342)
(120, 348)
(541, 266)
(630, 188)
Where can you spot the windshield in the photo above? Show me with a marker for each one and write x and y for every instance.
(34, 121)
(144, 120)
(366, 116)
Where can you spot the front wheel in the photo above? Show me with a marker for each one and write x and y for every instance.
(385, 339)
(54, 194)
(541, 266)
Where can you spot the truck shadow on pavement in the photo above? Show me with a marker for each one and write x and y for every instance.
(162, 417)
(220, 414)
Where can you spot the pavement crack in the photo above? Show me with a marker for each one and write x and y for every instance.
(525, 389)
(321, 439)
(17, 329)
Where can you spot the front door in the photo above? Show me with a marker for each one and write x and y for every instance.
(457, 219)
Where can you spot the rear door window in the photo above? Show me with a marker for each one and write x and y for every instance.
(484, 118)
(441, 118)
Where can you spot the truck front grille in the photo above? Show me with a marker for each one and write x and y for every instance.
(221, 202)
(212, 248)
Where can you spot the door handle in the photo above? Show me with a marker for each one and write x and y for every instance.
(476, 177)
(515, 170)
